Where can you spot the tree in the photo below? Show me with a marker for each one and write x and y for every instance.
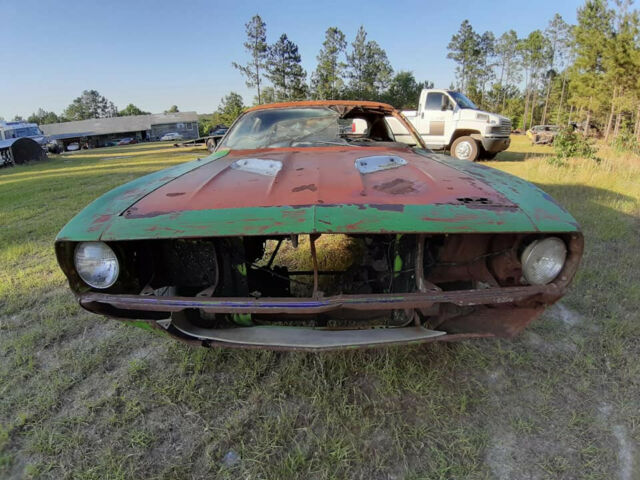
(256, 45)
(484, 71)
(404, 91)
(268, 96)
(131, 109)
(327, 80)
(17, 118)
(172, 109)
(368, 68)
(534, 52)
(230, 108)
(284, 70)
(557, 34)
(506, 52)
(90, 105)
(465, 49)
(590, 38)
(42, 117)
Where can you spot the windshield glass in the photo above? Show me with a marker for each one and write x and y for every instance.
(26, 132)
(462, 101)
(310, 126)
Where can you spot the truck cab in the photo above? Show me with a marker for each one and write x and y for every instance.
(448, 120)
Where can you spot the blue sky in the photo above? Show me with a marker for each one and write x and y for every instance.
(159, 53)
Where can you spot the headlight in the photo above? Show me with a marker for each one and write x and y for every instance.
(542, 260)
(96, 264)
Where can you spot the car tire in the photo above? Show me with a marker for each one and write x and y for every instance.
(465, 148)
(211, 145)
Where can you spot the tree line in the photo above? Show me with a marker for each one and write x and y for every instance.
(360, 70)
(90, 104)
(584, 73)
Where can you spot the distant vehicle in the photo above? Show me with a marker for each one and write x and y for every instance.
(127, 141)
(448, 120)
(171, 136)
(72, 147)
(542, 134)
(21, 142)
(218, 130)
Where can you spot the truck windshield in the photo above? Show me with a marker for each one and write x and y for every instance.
(24, 132)
(462, 101)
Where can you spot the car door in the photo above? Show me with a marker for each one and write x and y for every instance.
(437, 118)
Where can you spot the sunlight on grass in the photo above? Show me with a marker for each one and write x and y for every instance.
(86, 397)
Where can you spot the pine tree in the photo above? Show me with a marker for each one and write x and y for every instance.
(256, 46)
(327, 80)
(590, 43)
(465, 49)
(368, 68)
(284, 70)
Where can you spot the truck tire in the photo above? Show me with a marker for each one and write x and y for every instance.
(465, 148)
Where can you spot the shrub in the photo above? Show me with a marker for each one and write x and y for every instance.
(569, 144)
(626, 142)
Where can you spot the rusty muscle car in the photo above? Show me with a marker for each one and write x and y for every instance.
(440, 249)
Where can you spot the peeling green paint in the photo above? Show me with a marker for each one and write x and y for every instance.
(397, 262)
(93, 220)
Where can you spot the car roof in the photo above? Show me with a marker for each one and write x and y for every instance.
(325, 103)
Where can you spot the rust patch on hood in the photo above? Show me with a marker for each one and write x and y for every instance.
(310, 187)
(398, 186)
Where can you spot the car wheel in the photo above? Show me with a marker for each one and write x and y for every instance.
(211, 145)
(465, 148)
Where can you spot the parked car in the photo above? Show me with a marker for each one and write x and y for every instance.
(171, 136)
(127, 141)
(448, 120)
(218, 130)
(441, 249)
(542, 134)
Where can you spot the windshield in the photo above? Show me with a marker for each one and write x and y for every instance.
(311, 126)
(462, 101)
(23, 132)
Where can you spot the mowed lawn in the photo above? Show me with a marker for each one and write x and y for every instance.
(84, 397)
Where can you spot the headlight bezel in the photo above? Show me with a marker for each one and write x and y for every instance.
(85, 277)
(543, 249)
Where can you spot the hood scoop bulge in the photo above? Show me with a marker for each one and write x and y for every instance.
(377, 163)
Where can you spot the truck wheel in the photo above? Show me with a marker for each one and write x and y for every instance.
(465, 148)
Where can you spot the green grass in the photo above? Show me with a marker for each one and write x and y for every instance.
(87, 398)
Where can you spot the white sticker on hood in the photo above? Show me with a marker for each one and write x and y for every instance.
(270, 168)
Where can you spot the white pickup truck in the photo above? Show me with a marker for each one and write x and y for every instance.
(448, 120)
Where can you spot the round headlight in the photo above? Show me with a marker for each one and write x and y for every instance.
(96, 264)
(542, 260)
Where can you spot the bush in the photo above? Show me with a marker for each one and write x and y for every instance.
(569, 144)
(626, 142)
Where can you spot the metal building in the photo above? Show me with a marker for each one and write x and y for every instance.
(100, 132)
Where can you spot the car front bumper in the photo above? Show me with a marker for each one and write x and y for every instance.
(495, 144)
